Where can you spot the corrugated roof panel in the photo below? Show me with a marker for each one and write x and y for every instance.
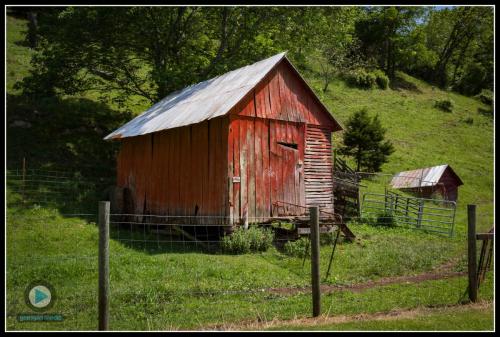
(423, 177)
(198, 102)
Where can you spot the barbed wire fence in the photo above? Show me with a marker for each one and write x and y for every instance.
(212, 298)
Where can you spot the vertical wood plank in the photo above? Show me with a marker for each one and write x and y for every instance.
(212, 168)
(266, 184)
(302, 146)
(259, 173)
(230, 170)
(290, 94)
(281, 132)
(260, 103)
(283, 96)
(250, 140)
(244, 168)
(204, 166)
(273, 166)
(236, 167)
(223, 167)
(176, 176)
(197, 166)
(166, 173)
(274, 94)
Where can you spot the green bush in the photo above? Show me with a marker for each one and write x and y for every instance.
(386, 219)
(297, 248)
(364, 79)
(242, 241)
(382, 79)
(328, 239)
(486, 96)
(361, 78)
(446, 104)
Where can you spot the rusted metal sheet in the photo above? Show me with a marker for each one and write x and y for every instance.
(423, 177)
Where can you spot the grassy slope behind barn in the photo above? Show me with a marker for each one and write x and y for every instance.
(425, 136)
(157, 288)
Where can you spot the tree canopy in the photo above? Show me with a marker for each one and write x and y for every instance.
(151, 51)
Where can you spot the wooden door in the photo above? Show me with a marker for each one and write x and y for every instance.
(286, 167)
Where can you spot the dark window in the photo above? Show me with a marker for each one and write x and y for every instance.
(290, 145)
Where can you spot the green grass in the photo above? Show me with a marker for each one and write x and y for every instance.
(441, 319)
(158, 287)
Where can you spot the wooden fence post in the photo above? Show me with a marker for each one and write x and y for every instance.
(472, 263)
(315, 274)
(103, 300)
(420, 211)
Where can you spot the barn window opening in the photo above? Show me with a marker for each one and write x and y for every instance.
(290, 145)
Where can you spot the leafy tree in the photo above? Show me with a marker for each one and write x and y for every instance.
(364, 140)
(463, 39)
(336, 48)
(383, 32)
(145, 51)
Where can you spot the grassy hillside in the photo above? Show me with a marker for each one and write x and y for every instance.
(425, 136)
(159, 288)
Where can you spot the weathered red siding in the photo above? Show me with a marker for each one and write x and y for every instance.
(178, 171)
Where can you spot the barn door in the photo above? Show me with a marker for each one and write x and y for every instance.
(287, 173)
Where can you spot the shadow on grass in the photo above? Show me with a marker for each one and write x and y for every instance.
(399, 83)
(486, 112)
(148, 239)
(68, 165)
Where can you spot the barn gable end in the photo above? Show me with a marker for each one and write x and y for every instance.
(280, 148)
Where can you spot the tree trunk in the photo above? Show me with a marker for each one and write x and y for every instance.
(32, 29)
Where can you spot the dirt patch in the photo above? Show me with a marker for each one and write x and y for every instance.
(325, 288)
(324, 319)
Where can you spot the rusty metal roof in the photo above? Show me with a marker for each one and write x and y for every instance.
(202, 101)
(423, 177)
(198, 102)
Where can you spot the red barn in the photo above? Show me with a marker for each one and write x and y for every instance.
(425, 182)
(253, 143)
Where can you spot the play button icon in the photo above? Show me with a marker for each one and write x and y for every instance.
(39, 295)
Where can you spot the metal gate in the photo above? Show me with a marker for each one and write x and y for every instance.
(433, 215)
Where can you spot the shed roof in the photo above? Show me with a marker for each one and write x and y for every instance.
(423, 177)
(202, 101)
